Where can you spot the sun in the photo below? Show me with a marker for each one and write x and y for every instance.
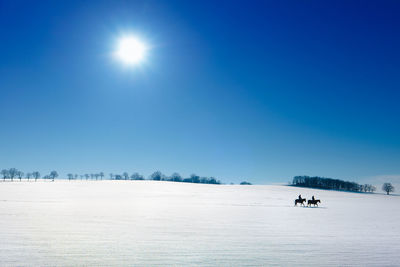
(130, 50)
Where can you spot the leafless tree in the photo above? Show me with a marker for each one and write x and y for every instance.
(5, 174)
(388, 187)
(12, 173)
(36, 175)
(137, 176)
(53, 175)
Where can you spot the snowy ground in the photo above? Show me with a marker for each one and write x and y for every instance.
(146, 223)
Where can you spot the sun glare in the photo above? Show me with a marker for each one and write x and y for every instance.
(131, 50)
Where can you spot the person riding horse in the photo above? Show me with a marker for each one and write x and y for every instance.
(313, 201)
(299, 200)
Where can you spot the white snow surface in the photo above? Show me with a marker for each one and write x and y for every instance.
(148, 223)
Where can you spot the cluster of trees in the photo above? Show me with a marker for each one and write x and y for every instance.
(86, 176)
(176, 177)
(14, 173)
(329, 183)
(126, 176)
(156, 176)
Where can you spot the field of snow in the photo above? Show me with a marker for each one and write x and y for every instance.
(146, 223)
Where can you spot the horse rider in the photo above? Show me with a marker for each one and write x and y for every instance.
(313, 198)
(300, 197)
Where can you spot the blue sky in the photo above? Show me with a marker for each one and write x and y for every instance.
(239, 90)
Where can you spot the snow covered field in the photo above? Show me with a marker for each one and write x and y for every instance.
(145, 223)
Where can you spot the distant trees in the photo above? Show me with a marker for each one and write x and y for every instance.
(367, 188)
(245, 183)
(329, 183)
(176, 177)
(195, 178)
(137, 176)
(156, 176)
(388, 188)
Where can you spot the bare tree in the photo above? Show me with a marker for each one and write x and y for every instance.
(388, 187)
(36, 175)
(12, 173)
(70, 176)
(176, 177)
(157, 176)
(101, 175)
(28, 175)
(5, 174)
(87, 176)
(137, 176)
(125, 175)
(111, 176)
(373, 188)
(20, 174)
(53, 175)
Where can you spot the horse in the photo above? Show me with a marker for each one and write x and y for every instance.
(301, 201)
(313, 202)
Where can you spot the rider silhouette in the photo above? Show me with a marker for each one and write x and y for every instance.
(313, 198)
(300, 196)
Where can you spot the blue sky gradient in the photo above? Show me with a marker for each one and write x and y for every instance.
(239, 90)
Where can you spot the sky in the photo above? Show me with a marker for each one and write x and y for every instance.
(239, 90)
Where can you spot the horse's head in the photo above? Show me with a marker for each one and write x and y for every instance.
(318, 201)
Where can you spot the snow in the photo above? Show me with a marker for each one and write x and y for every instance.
(146, 223)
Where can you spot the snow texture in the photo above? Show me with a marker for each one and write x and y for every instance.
(148, 223)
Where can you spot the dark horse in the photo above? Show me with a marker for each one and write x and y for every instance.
(313, 202)
(299, 200)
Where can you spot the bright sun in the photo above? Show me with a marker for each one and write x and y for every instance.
(131, 50)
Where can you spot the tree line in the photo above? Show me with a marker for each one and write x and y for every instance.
(333, 184)
(159, 176)
(14, 173)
